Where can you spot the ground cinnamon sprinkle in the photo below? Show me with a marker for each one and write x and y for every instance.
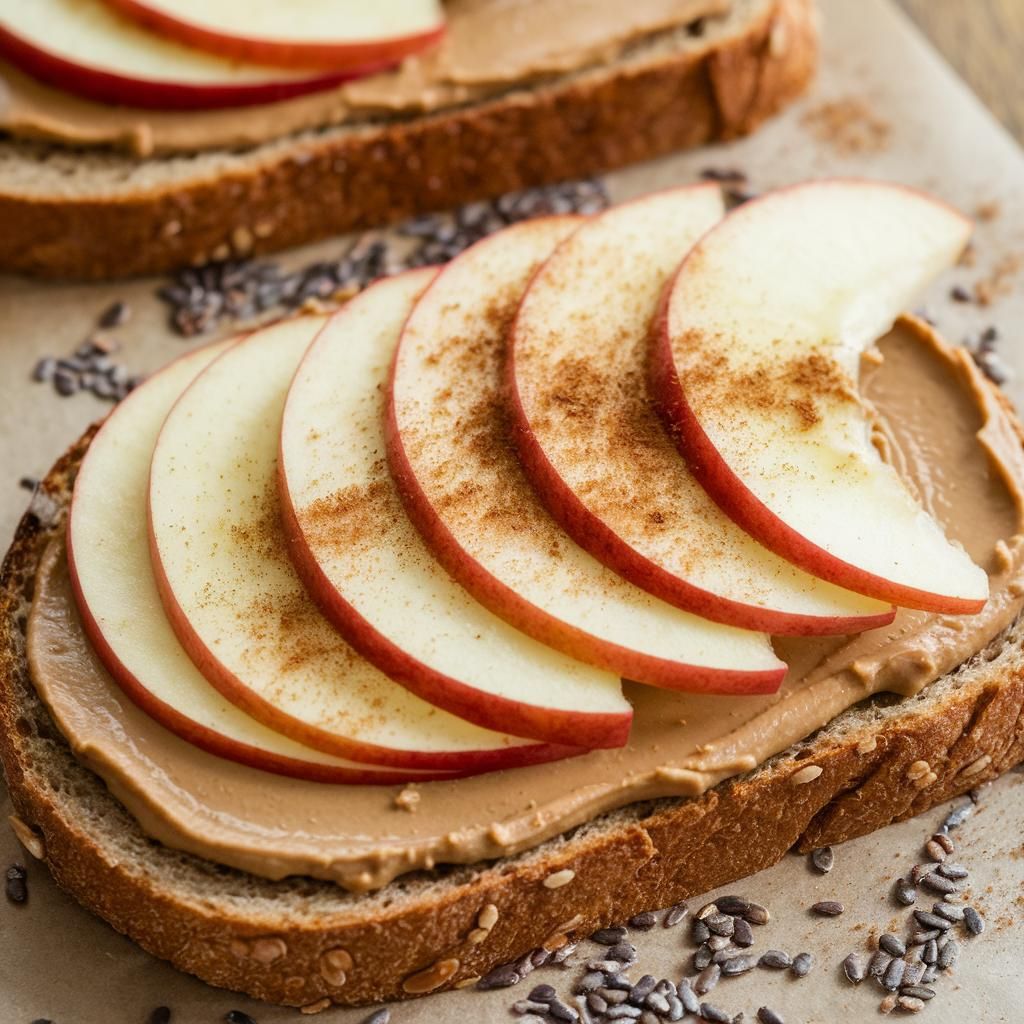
(849, 126)
(1000, 281)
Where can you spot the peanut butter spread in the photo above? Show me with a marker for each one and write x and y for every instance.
(490, 47)
(934, 417)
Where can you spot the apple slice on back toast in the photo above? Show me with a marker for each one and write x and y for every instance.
(83, 48)
(233, 599)
(310, 34)
(756, 365)
(369, 570)
(458, 474)
(117, 598)
(597, 453)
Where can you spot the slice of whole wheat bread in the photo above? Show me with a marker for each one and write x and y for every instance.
(95, 215)
(297, 941)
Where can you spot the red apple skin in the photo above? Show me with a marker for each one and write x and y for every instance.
(591, 533)
(314, 55)
(107, 87)
(574, 731)
(746, 509)
(450, 763)
(515, 610)
(214, 742)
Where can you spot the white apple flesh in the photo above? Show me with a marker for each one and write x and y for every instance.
(86, 49)
(756, 364)
(457, 472)
(235, 602)
(597, 453)
(116, 594)
(327, 34)
(369, 570)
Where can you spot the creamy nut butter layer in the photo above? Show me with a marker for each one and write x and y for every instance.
(935, 419)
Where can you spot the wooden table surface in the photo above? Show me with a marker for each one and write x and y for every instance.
(984, 41)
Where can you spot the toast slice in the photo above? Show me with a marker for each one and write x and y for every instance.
(298, 941)
(95, 214)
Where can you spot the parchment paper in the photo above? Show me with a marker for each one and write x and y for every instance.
(884, 106)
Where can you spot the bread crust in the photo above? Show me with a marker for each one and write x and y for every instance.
(648, 856)
(343, 181)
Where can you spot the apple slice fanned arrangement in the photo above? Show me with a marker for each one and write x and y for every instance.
(429, 535)
(194, 54)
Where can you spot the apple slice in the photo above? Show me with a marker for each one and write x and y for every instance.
(84, 48)
(756, 366)
(457, 471)
(311, 34)
(116, 594)
(596, 452)
(232, 596)
(369, 570)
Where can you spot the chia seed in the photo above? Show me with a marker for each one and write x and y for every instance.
(802, 964)
(16, 887)
(973, 921)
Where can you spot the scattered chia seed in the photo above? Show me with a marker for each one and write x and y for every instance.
(888, 1004)
(948, 955)
(720, 924)
(958, 293)
(608, 936)
(768, 1016)
(713, 1013)
(115, 315)
(879, 963)
(912, 974)
(802, 964)
(918, 871)
(958, 816)
(707, 979)
(823, 859)
(737, 965)
(930, 953)
(743, 935)
(936, 883)
(724, 175)
(503, 976)
(954, 872)
(893, 977)
(944, 843)
(200, 297)
(775, 959)
(623, 1012)
(932, 921)
(543, 993)
(904, 892)
(918, 992)
(702, 957)
(756, 914)
(160, 1015)
(675, 915)
(827, 908)
(560, 1011)
(643, 922)
(706, 911)
(641, 990)
(935, 851)
(734, 906)
(16, 886)
(623, 952)
(238, 1017)
(892, 945)
(854, 969)
(973, 921)
(949, 911)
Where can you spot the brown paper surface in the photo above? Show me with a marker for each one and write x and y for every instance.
(884, 106)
